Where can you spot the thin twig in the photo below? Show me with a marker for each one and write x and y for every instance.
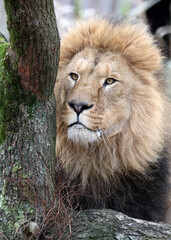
(3, 236)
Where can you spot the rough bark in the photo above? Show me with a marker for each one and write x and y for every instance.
(108, 225)
(34, 39)
(27, 116)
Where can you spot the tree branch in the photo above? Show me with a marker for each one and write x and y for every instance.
(108, 224)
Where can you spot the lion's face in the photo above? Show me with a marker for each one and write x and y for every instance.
(110, 105)
(97, 92)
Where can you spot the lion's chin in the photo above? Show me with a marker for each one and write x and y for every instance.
(82, 135)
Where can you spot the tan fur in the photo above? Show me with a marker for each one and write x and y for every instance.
(130, 114)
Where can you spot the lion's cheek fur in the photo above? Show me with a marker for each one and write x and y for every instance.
(146, 128)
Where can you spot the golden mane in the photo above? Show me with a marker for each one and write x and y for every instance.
(144, 134)
(130, 39)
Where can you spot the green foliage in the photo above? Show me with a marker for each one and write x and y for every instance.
(124, 7)
(77, 9)
(2, 38)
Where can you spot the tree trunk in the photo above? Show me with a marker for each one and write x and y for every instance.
(27, 115)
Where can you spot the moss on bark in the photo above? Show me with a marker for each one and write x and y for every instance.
(3, 50)
(11, 94)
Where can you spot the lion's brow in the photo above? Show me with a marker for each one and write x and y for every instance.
(96, 61)
(84, 64)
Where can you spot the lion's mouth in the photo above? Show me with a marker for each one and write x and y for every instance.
(80, 126)
(82, 135)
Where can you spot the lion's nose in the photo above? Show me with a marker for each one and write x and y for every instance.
(79, 107)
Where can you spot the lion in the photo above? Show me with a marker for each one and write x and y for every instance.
(113, 118)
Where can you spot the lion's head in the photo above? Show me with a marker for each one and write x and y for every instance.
(110, 107)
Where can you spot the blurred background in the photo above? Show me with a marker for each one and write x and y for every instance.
(156, 13)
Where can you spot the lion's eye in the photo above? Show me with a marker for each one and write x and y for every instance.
(74, 76)
(109, 81)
